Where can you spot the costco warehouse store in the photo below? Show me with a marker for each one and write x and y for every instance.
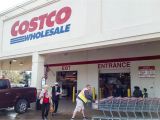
(105, 43)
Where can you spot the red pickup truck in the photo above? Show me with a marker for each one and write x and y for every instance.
(19, 98)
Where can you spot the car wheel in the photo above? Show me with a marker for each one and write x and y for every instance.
(21, 106)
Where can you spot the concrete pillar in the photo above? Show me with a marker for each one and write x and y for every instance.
(1, 36)
(37, 70)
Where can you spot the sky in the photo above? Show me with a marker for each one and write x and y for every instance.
(7, 4)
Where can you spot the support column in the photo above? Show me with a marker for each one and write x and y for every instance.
(37, 70)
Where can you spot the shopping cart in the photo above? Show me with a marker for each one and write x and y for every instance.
(110, 106)
(141, 108)
(131, 108)
(154, 106)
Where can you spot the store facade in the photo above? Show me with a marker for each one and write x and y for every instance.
(83, 42)
(104, 66)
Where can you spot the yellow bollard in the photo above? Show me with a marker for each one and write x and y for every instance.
(100, 93)
(129, 92)
(73, 95)
(94, 93)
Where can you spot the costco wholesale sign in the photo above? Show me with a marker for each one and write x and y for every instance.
(23, 31)
(50, 27)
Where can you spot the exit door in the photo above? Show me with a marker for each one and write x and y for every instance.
(68, 80)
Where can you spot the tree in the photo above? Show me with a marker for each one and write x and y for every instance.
(13, 76)
(26, 77)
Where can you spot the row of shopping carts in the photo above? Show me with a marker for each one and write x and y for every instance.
(128, 108)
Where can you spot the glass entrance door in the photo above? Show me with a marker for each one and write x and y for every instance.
(113, 84)
(68, 80)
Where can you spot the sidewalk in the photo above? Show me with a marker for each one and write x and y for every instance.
(64, 113)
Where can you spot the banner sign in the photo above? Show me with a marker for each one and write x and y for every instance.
(146, 71)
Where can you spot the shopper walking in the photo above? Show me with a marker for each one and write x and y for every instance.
(83, 97)
(137, 92)
(145, 94)
(56, 92)
(45, 101)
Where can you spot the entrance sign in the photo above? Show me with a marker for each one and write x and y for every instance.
(146, 71)
(114, 65)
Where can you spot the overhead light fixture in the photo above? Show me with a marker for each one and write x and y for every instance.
(14, 60)
(21, 63)
(65, 53)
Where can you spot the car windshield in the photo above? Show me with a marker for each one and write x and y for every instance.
(3, 84)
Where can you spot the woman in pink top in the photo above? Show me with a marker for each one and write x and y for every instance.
(45, 100)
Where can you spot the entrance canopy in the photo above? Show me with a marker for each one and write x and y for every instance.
(21, 63)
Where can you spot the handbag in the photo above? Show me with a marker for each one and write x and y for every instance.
(41, 101)
(51, 109)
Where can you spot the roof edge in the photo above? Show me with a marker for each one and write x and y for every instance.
(16, 7)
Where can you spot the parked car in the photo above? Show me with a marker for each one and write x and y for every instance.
(17, 97)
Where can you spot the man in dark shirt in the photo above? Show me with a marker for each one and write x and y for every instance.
(56, 92)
